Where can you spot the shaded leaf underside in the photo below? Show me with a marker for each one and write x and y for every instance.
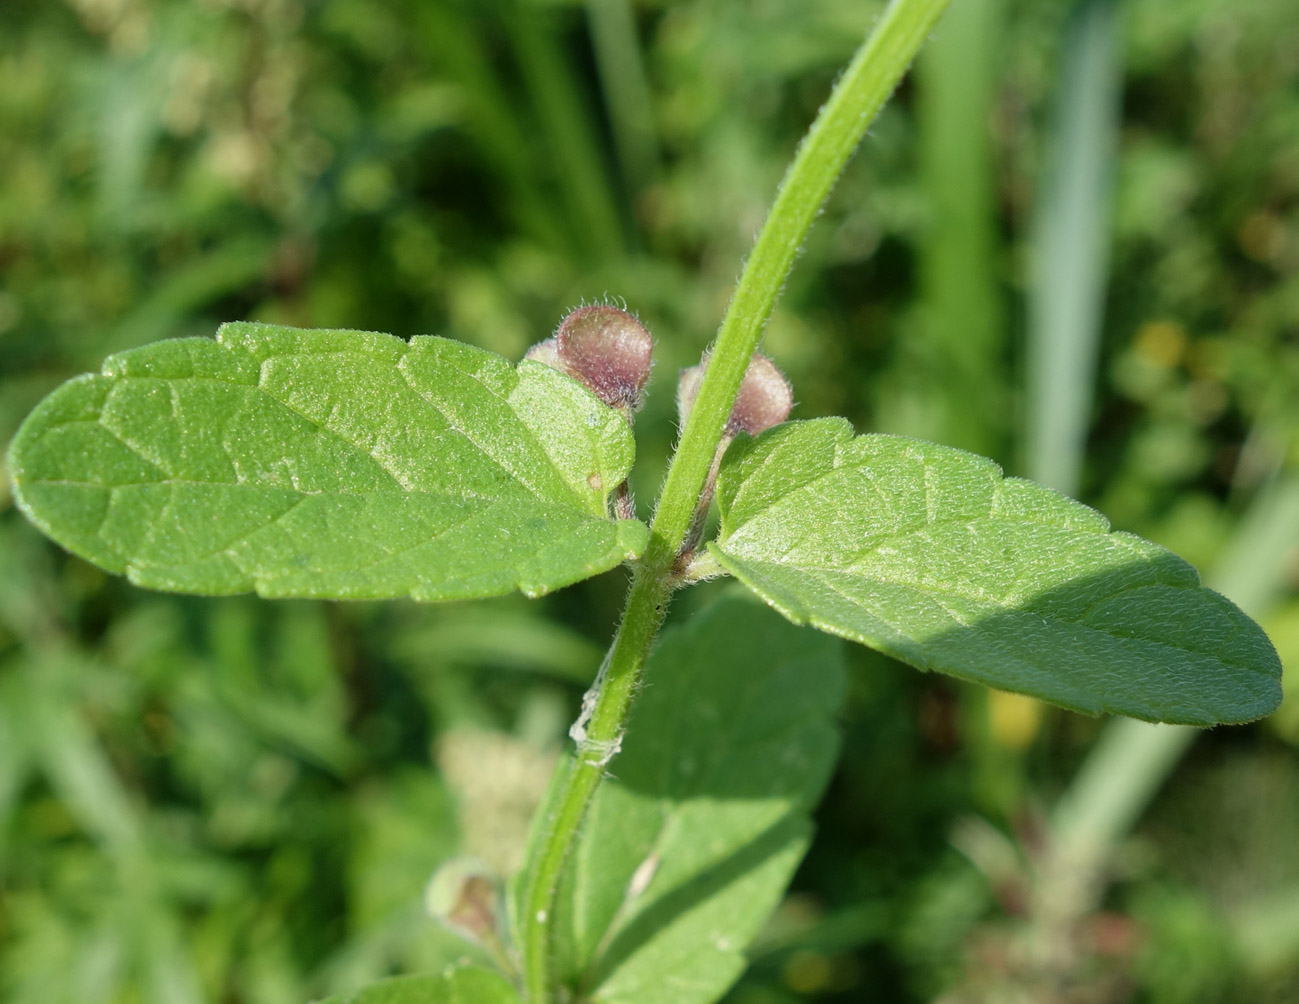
(459, 985)
(691, 841)
(928, 554)
(338, 464)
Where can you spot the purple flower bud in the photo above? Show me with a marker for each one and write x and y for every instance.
(545, 353)
(608, 350)
(688, 390)
(463, 895)
(764, 399)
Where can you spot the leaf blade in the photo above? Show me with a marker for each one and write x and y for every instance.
(691, 842)
(929, 554)
(328, 464)
(459, 985)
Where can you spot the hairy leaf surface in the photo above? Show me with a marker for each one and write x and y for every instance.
(340, 464)
(928, 554)
(460, 985)
(693, 838)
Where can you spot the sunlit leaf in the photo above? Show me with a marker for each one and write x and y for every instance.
(338, 464)
(928, 554)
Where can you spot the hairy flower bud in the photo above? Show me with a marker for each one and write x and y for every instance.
(605, 349)
(688, 389)
(463, 895)
(546, 353)
(608, 350)
(764, 399)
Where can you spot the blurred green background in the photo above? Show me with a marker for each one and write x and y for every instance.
(1071, 242)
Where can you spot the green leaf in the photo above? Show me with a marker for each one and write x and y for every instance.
(333, 464)
(928, 554)
(692, 840)
(460, 985)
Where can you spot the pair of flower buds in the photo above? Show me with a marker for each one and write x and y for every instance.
(608, 351)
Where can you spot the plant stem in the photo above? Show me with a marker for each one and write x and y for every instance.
(864, 87)
(644, 611)
(867, 83)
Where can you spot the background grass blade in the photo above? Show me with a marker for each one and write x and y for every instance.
(1070, 247)
(961, 340)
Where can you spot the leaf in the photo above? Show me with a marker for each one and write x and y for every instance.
(928, 554)
(335, 464)
(691, 842)
(459, 985)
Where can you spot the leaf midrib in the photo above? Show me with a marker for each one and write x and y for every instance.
(258, 486)
(747, 519)
(539, 451)
(873, 544)
(937, 594)
(505, 402)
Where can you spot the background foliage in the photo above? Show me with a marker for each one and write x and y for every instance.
(236, 801)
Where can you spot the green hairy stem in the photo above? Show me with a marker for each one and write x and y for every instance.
(860, 93)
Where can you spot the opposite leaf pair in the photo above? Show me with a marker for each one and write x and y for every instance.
(353, 465)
